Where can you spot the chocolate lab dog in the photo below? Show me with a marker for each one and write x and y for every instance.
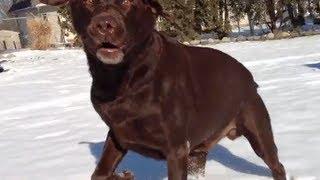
(163, 99)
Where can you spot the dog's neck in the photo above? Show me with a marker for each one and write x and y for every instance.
(107, 79)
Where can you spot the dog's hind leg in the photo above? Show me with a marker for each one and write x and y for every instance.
(256, 127)
(197, 163)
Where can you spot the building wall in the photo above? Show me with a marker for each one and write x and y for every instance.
(53, 19)
(9, 40)
(11, 25)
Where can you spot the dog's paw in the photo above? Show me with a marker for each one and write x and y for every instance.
(96, 177)
(126, 175)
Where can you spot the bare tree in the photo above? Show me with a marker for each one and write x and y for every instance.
(270, 4)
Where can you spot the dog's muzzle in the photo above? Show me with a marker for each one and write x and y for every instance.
(110, 54)
(108, 32)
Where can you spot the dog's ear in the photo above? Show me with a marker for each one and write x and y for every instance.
(157, 9)
(155, 6)
(54, 2)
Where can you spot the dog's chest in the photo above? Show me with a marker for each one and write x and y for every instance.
(135, 118)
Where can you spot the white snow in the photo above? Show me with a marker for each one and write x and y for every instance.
(49, 129)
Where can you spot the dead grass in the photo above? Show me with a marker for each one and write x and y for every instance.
(40, 32)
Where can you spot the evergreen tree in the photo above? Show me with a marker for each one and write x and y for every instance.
(201, 15)
(238, 13)
(193, 17)
(253, 9)
(216, 20)
(183, 13)
(220, 20)
(226, 24)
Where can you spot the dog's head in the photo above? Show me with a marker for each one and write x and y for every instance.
(111, 28)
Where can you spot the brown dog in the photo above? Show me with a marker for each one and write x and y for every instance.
(163, 99)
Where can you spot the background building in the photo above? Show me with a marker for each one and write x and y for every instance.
(15, 19)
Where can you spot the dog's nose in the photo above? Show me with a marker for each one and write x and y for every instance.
(106, 25)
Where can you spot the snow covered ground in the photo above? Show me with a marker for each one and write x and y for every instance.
(50, 131)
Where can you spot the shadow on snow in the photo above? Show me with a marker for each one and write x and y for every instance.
(316, 65)
(146, 168)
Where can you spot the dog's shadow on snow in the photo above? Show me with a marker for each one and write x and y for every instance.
(149, 169)
(315, 65)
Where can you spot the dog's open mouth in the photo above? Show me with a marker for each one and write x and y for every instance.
(110, 53)
(109, 47)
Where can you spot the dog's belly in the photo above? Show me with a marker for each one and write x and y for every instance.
(211, 126)
(221, 86)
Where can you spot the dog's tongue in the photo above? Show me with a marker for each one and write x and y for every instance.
(110, 50)
(110, 55)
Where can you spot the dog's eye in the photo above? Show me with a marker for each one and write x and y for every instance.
(126, 3)
(89, 2)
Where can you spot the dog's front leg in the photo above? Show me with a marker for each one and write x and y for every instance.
(111, 157)
(177, 164)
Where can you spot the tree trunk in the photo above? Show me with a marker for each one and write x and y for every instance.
(197, 16)
(317, 6)
(310, 9)
(280, 10)
(251, 23)
(215, 12)
(301, 12)
(291, 14)
(300, 7)
(221, 10)
(227, 26)
(272, 14)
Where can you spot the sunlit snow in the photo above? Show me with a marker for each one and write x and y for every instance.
(50, 131)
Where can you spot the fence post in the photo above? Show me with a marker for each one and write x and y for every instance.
(14, 44)
(4, 45)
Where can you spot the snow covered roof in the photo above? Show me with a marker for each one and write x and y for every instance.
(40, 5)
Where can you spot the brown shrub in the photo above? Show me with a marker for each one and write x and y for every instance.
(40, 32)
